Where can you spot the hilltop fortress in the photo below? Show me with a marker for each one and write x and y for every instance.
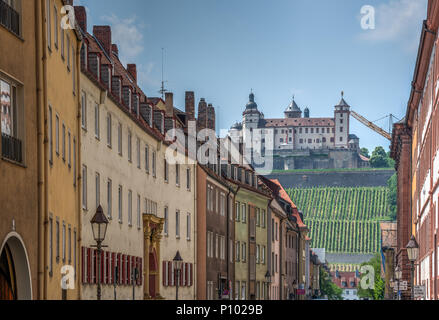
(301, 142)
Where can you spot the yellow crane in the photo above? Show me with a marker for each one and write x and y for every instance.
(373, 126)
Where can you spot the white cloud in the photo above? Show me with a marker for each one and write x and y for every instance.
(127, 35)
(398, 21)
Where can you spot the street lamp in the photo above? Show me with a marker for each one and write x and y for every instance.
(99, 224)
(178, 261)
(268, 281)
(413, 253)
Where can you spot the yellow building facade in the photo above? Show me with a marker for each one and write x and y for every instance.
(58, 86)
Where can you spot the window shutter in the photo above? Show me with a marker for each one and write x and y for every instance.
(141, 271)
(186, 276)
(88, 265)
(119, 269)
(129, 270)
(83, 264)
(96, 273)
(191, 274)
(124, 269)
(102, 266)
(113, 267)
(170, 274)
(107, 281)
(164, 273)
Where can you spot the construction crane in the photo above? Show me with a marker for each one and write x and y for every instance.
(373, 126)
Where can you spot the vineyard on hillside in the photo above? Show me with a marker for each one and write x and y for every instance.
(343, 220)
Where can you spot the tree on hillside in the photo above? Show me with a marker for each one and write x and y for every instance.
(365, 152)
(379, 158)
(392, 195)
(329, 288)
(377, 293)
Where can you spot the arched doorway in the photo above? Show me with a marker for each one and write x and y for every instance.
(15, 279)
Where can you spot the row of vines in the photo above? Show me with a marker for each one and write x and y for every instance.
(343, 220)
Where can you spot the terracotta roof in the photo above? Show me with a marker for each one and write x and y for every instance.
(300, 122)
(364, 158)
(284, 195)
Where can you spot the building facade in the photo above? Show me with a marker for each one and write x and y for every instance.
(59, 68)
(20, 258)
(215, 246)
(415, 146)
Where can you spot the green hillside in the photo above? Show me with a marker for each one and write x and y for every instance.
(343, 220)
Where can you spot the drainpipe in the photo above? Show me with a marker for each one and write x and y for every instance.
(78, 165)
(43, 166)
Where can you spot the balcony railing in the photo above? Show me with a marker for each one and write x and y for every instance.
(9, 18)
(12, 148)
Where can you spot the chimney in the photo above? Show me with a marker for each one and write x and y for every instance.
(103, 34)
(211, 117)
(202, 115)
(132, 70)
(115, 49)
(169, 102)
(81, 17)
(190, 105)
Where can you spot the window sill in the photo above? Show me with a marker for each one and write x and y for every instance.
(15, 162)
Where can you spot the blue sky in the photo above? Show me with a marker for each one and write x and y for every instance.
(311, 49)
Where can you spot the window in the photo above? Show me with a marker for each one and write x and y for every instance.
(257, 254)
(84, 187)
(49, 26)
(188, 178)
(138, 152)
(222, 248)
(223, 205)
(74, 161)
(244, 252)
(119, 138)
(341, 139)
(209, 244)
(70, 244)
(188, 226)
(138, 212)
(98, 189)
(55, 29)
(177, 224)
(130, 208)
(277, 231)
(70, 149)
(177, 174)
(63, 242)
(64, 142)
(166, 170)
(238, 208)
(258, 217)
(341, 129)
(129, 146)
(50, 134)
(109, 198)
(109, 137)
(244, 214)
(154, 166)
(217, 246)
(74, 252)
(243, 291)
(264, 219)
(166, 224)
(97, 130)
(62, 41)
(263, 255)
(57, 135)
(84, 111)
(57, 240)
(120, 203)
(50, 245)
(147, 159)
(238, 251)
(237, 287)
(68, 52)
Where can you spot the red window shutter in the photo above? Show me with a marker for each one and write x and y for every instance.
(141, 271)
(95, 277)
(164, 275)
(113, 267)
(89, 265)
(119, 268)
(186, 277)
(170, 279)
(107, 281)
(192, 274)
(128, 270)
(83, 264)
(102, 266)
(181, 275)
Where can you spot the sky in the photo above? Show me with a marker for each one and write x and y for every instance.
(222, 49)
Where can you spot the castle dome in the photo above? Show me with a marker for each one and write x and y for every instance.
(251, 105)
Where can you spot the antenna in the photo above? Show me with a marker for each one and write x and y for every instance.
(162, 90)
